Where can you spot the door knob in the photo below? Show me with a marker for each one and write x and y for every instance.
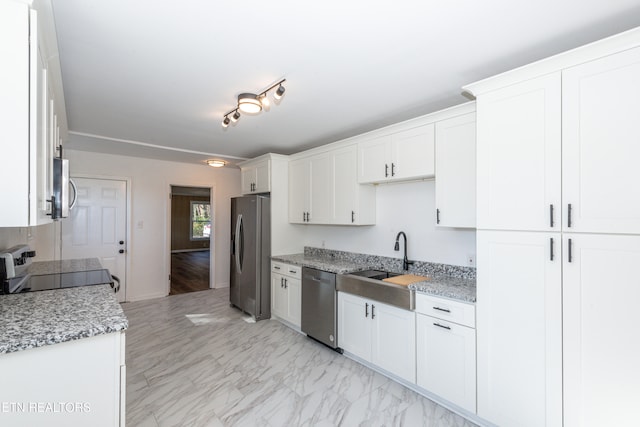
(121, 251)
(121, 242)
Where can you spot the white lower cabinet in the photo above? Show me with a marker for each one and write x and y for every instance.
(71, 384)
(519, 328)
(286, 292)
(446, 351)
(378, 333)
(601, 290)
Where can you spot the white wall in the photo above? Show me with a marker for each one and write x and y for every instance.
(43, 239)
(150, 181)
(408, 207)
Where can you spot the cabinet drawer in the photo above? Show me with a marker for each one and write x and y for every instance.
(290, 270)
(445, 309)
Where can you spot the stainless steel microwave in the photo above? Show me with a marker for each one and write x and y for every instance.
(62, 185)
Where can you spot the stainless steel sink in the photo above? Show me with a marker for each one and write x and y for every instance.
(369, 284)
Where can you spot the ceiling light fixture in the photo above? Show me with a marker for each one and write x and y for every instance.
(250, 103)
(216, 163)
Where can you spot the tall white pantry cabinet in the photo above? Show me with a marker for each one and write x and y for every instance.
(558, 218)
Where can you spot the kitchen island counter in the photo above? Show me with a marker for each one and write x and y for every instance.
(37, 319)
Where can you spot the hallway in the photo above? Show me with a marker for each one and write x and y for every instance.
(189, 272)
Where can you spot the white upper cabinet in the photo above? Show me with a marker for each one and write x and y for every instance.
(256, 176)
(26, 162)
(373, 160)
(412, 153)
(299, 190)
(323, 189)
(354, 204)
(456, 172)
(518, 152)
(403, 155)
(601, 145)
(311, 190)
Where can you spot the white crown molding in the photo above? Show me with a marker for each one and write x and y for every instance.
(607, 46)
(154, 146)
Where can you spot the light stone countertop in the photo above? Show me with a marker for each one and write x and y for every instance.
(36, 319)
(332, 265)
(448, 287)
(447, 281)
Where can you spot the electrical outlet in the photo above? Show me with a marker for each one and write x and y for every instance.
(471, 260)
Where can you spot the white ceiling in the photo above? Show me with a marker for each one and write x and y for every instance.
(153, 78)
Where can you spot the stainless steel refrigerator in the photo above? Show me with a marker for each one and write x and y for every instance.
(250, 285)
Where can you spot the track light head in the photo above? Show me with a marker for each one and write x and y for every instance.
(279, 92)
(264, 100)
(225, 122)
(249, 103)
(235, 117)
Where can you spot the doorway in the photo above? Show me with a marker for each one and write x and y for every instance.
(97, 226)
(191, 239)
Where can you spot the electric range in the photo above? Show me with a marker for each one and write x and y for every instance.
(14, 276)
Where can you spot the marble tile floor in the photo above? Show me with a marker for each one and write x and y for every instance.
(193, 361)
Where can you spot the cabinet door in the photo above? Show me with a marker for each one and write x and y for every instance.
(279, 300)
(519, 328)
(394, 340)
(601, 317)
(14, 114)
(263, 175)
(374, 160)
(446, 363)
(456, 171)
(601, 144)
(412, 153)
(345, 185)
(518, 154)
(41, 154)
(298, 190)
(354, 325)
(294, 300)
(248, 179)
(321, 189)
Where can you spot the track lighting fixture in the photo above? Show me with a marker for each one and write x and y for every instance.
(250, 103)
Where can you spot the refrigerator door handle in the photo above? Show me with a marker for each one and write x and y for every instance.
(239, 244)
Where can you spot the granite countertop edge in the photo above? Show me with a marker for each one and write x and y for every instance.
(38, 319)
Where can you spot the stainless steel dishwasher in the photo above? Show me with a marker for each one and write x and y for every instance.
(320, 306)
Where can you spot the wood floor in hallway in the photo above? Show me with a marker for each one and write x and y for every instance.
(192, 360)
(189, 272)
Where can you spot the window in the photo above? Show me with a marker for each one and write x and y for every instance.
(200, 220)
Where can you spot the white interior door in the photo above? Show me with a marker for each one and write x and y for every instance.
(97, 226)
